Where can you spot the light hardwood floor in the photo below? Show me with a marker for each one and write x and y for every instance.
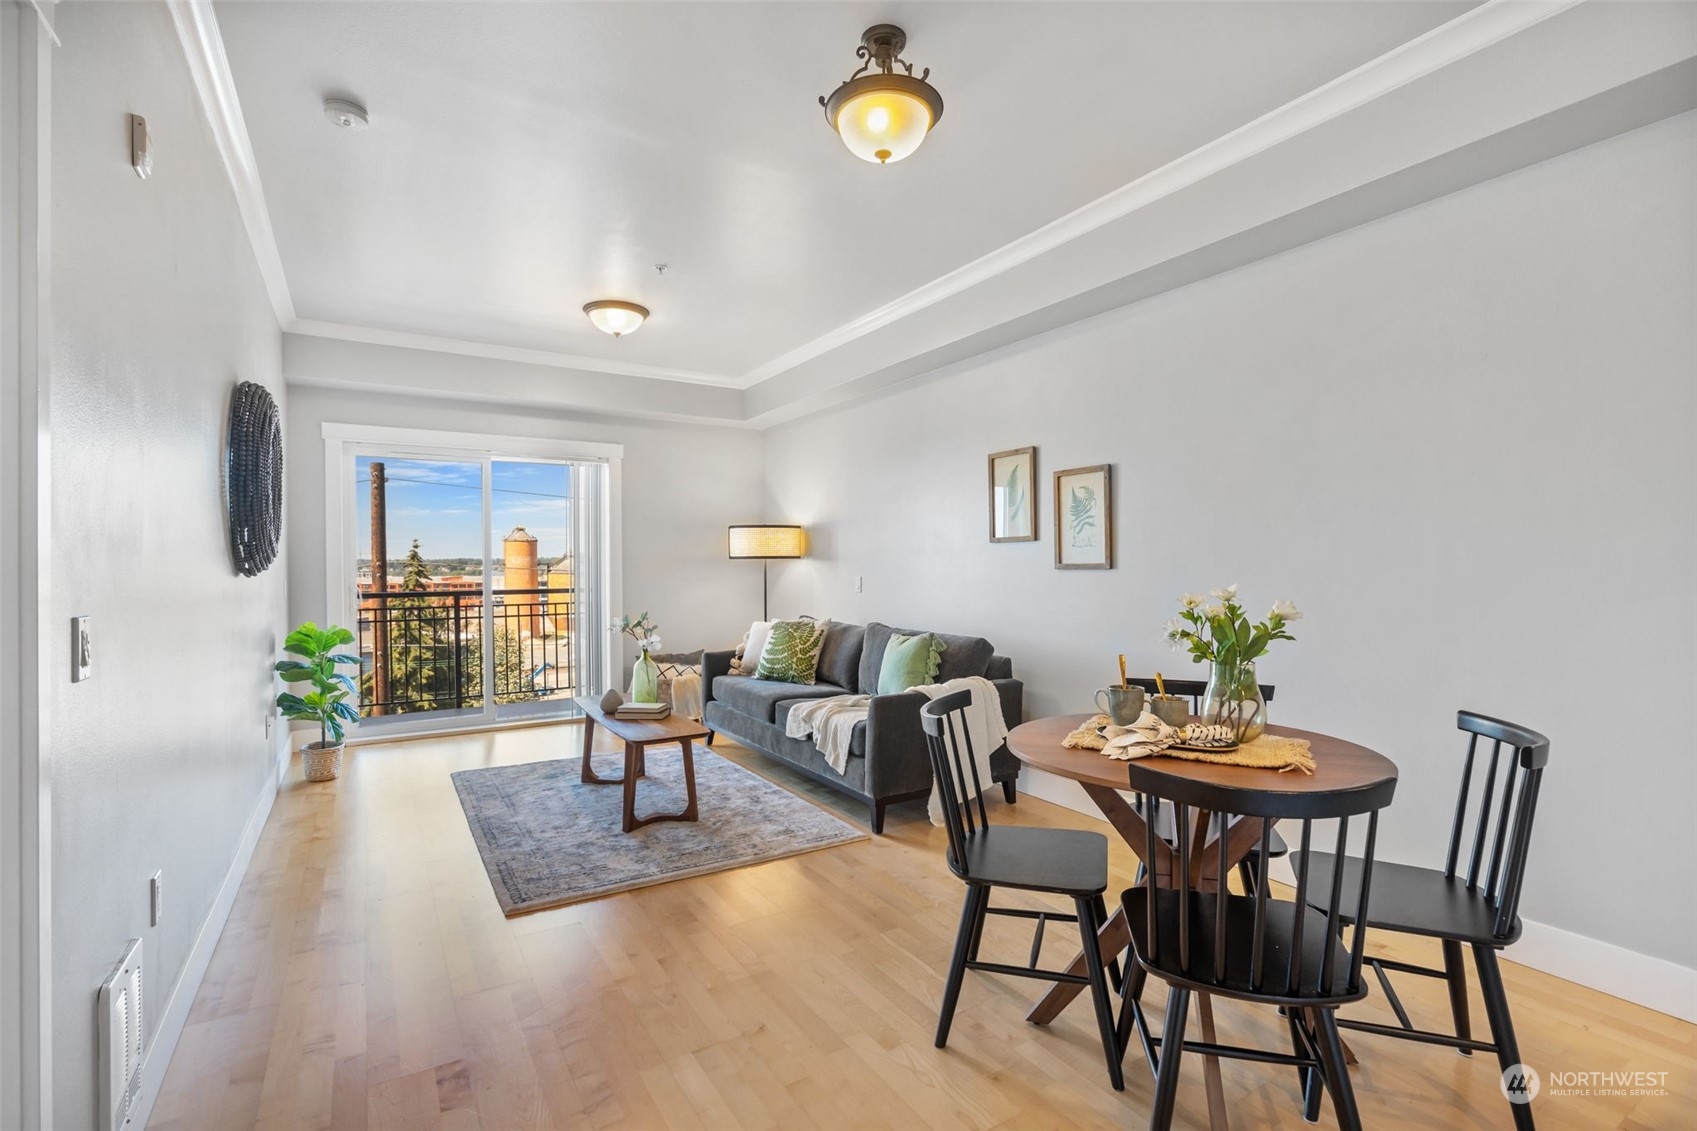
(367, 979)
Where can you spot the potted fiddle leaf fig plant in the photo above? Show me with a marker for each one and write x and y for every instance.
(325, 703)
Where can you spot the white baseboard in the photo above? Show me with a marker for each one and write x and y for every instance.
(1654, 983)
(176, 1015)
(1642, 979)
(283, 752)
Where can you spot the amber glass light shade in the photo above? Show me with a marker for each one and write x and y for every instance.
(884, 122)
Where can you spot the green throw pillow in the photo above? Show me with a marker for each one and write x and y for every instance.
(909, 661)
(792, 652)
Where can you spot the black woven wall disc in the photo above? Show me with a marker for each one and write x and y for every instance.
(255, 479)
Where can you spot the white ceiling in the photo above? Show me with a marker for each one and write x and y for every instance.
(524, 158)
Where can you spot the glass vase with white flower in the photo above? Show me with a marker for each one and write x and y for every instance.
(645, 675)
(1216, 630)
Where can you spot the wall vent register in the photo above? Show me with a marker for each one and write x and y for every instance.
(121, 1040)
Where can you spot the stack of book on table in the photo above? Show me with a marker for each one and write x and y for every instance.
(637, 711)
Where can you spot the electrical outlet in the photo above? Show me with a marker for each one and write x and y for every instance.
(156, 897)
(82, 649)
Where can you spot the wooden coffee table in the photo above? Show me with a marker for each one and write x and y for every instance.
(638, 735)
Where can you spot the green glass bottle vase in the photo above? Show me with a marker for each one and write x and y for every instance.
(645, 680)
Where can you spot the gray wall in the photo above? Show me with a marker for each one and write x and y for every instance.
(683, 484)
(1459, 438)
(158, 311)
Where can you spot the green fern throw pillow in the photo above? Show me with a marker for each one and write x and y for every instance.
(909, 661)
(792, 652)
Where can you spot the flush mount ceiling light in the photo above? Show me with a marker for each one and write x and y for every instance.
(882, 116)
(614, 317)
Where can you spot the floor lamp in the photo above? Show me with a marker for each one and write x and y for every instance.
(766, 541)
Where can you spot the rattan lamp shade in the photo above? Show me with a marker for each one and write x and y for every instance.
(768, 541)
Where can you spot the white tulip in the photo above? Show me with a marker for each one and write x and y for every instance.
(1284, 610)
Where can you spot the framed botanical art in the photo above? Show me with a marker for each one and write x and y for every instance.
(1013, 496)
(1084, 518)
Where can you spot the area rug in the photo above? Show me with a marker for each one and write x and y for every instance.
(547, 839)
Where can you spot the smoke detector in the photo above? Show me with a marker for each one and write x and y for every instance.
(346, 115)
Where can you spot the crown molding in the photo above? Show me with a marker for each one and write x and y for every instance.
(407, 340)
(197, 28)
(1472, 31)
(45, 22)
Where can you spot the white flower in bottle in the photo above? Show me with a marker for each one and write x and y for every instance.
(1213, 611)
(652, 643)
(1175, 628)
(1229, 593)
(1286, 611)
(1191, 600)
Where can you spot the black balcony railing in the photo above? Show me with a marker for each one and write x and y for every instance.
(424, 650)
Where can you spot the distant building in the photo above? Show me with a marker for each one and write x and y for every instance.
(533, 596)
(557, 578)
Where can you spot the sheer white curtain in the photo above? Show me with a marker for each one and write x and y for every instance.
(590, 640)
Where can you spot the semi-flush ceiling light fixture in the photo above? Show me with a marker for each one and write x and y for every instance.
(882, 116)
(614, 317)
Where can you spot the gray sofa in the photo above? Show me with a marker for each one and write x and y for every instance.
(887, 756)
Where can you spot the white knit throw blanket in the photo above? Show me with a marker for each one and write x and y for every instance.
(984, 725)
(833, 721)
(830, 723)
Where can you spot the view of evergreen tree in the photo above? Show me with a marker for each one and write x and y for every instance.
(417, 575)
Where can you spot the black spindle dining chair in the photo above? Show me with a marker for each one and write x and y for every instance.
(1478, 907)
(1252, 947)
(1054, 861)
(1252, 867)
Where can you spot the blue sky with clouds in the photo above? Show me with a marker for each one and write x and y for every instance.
(441, 505)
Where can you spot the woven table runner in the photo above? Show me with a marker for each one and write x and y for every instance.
(1269, 752)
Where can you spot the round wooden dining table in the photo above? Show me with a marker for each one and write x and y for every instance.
(1340, 766)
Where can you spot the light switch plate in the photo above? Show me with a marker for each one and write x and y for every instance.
(82, 649)
(141, 147)
(156, 897)
(858, 583)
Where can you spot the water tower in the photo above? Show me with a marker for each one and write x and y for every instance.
(519, 558)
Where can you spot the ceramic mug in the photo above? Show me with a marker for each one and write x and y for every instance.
(1123, 704)
(1174, 710)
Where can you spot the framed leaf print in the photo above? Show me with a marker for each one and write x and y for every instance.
(1084, 518)
(1013, 496)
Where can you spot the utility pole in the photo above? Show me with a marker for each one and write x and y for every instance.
(379, 589)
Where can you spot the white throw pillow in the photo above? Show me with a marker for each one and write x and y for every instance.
(754, 644)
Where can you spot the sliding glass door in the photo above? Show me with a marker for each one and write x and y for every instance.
(544, 614)
(479, 582)
(421, 585)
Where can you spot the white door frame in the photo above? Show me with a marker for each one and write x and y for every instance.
(26, 921)
(343, 441)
